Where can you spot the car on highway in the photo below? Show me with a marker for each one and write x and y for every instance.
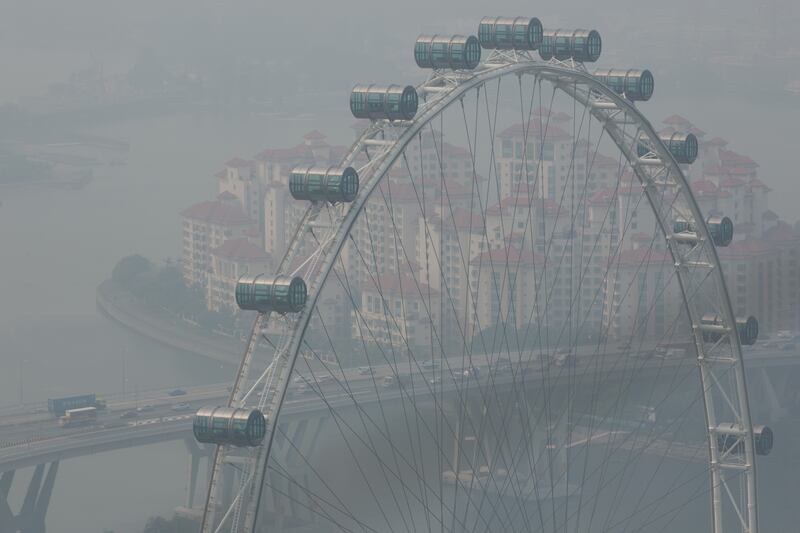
(500, 368)
(365, 370)
(323, 378)
(298, 390)
(428, 363)
(672, 353)
(181, 406)
(503, 364)
(390, 382)
(177, 392)
(564, 359)
(145, 408)
(473, 371)
(129, 414)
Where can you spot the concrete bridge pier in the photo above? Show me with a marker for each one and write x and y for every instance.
(31, 518)
(196, 454)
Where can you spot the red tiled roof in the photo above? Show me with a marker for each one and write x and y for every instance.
(675, 119)
(757, 184)
(732, 182)
(222, 212)
(451, 150)
(704, 187)
(697, 132)
(717, 141)
(731, 158)
(314, 135)
(226, 196)
(240, 249)
(713, 170)
(740, 171)
(506, 256)
(743, 248)
(601, 197)
(508, 204)
(769, 215)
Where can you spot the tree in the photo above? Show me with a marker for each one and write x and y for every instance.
(130, 267)
(177, 524)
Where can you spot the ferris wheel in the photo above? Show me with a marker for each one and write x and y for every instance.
(503, 311)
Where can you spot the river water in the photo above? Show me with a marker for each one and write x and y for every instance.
(56, 246)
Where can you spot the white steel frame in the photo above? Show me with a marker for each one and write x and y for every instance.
(694, 258)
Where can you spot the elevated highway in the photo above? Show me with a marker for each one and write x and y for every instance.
(29, 436)
(32, 437)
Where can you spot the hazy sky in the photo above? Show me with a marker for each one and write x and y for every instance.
(75, 237)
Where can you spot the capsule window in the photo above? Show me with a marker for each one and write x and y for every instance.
(521, 37)
(375, 102)
(578, 46)
(316, 184)
(393, 102)
(257, 428)
(485, 32)
(562, 47)
(502, 34)
(350, 185)
(457, 50)
(473, 54)
(410, 102)
(297, 294)
(356, 103)
(594, 46)
(535, 33)
(547, 48)
(296, 183)
(261, 292)
(421, 53)
(646, 85)
(440, 53)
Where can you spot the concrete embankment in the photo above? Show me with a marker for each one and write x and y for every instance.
(119, 305)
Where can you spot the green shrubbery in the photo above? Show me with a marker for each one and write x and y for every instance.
(162, 287)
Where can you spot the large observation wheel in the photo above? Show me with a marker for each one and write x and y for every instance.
(502, 330)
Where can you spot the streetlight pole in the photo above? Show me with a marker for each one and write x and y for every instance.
(21, 383)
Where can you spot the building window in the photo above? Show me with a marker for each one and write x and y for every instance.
(508, 148)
